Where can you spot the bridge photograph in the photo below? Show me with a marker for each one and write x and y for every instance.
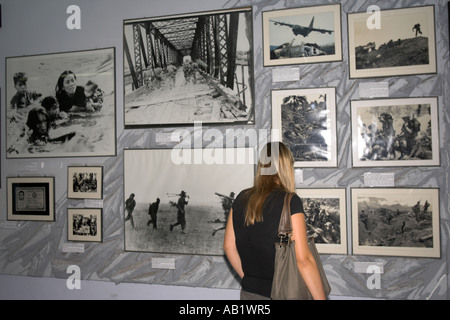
(183, 69)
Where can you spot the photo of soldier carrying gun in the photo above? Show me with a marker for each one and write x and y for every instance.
(227, 202)
(181, 212)
(180, 209)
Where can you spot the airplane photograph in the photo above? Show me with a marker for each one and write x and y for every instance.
(300, 30)
(302, 35)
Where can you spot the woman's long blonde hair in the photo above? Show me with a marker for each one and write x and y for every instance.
(282, 177)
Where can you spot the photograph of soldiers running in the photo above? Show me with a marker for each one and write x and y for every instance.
(395, 132)
(227, 202)
(385, 221)
(186, 68)
(179, 208)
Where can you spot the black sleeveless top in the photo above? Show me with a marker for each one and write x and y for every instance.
(255, 243)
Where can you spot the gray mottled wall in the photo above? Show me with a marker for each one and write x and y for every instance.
(35, 249)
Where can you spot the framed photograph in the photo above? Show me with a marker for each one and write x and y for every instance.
(395, 132)
(326, 218)
(85, 182)
(84, 224)
(302, 35)
(186, 68)
(392, 42)
(305, 120)
(31, 198)
(61, 105)
(178, 200)
(396, 222)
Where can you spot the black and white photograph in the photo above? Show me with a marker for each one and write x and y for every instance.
(61, 105)
(326, 218)
(302, 35)
(178, 200)
(187, 68)
(396, 222)
(84, 224)
(31, 198)
(392, 42)
(395, 132)
(84, 182)
(305, 120)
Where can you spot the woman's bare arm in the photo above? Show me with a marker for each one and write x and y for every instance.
(305, 260)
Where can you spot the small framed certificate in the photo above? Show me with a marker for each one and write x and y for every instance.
(31, 198)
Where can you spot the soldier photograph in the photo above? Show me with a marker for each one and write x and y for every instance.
(153, 211)
(227, 202)
(181, 212)
(395, 132)
(396, 221)
(176, 208)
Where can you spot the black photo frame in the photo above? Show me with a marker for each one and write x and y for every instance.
(31, 198)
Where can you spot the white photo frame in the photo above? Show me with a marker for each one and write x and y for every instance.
(85, 224)
(84, 182)
(302, 35)
(403, 43)
(396, 222)
(326, 218)
(305, 120)
(395, 132)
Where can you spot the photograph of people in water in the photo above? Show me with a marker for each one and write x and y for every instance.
(61, 105)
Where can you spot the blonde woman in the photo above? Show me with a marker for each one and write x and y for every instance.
(252, 227)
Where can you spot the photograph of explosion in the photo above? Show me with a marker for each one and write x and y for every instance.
(180, 208)
(392, 42)
(396, 221)
(305, 120)
(395, 132)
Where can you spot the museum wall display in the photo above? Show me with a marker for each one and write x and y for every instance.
(127, 129)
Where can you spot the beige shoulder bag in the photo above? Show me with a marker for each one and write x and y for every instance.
(288, 283)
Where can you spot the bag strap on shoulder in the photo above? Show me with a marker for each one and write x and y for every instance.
(285, 227)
